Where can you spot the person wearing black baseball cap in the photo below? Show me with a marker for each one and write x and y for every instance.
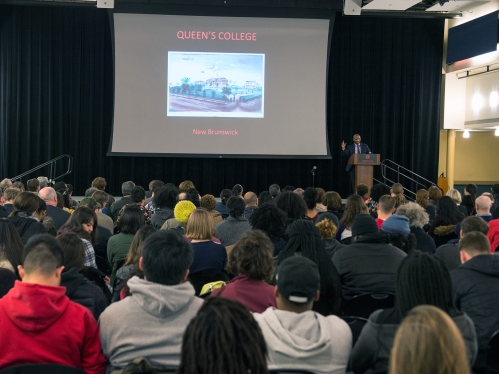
(298, 338)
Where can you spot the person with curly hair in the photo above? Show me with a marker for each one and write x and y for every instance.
(209, 203)
(251, 262)
(418, 219)
(328, 229)
(292, 205)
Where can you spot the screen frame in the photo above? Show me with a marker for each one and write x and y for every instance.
(233, 12)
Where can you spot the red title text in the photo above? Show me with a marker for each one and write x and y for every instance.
(213, 35)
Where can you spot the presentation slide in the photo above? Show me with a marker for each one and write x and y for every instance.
(219, 86)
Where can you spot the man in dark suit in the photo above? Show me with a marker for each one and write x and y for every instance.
(348, 150)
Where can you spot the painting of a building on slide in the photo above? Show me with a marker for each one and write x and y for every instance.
(205, 84)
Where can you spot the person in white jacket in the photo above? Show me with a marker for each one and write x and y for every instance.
(298, 338)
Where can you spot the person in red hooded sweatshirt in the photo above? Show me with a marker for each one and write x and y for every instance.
(39, 324)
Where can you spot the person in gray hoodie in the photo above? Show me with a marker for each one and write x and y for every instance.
(151, 322)
(298, 338)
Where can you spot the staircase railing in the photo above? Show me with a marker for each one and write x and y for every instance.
(52, 164)
(409, 179)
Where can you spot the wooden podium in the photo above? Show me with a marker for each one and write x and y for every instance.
(364, 163)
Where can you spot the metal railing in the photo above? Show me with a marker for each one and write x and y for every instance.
(409, 179)
(52, 164)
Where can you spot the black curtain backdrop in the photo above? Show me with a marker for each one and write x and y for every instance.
(56, 97)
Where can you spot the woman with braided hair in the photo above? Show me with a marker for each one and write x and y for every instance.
(223, 338)
(421, 279)
(305, 240)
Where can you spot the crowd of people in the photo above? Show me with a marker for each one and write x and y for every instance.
(251, 283)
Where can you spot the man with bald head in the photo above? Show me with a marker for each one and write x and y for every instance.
(251, 201)
(59, 215)
(356, 148)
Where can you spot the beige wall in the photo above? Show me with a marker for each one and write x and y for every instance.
(477, 158)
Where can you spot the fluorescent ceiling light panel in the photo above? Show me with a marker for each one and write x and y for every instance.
(456, 6)
(391, 4)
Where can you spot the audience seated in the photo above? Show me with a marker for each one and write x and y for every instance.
(251, 201)
(400, 233)
(78, 288)
(231, 230)
(469, 198)
(39, 322)
(476, 290)
(456, 197)
(103, 220)
(251, 261)
(118, 245)
(23, 216)
(319, 207)
(305, 240)
(434, 195)
(354, 206)
(7, 281)
(310, 198)
(423, 199)
(328, 229)
(332, 202)
(298, 338)
(181, 214)
(208, 255)
(9, 195)
(82, 223)
(164, 201)
(126, 190)
(449, 253)
(397, 192)
(11, 245)
(131, 263)
(223, 338)
(428, 341)
(209, 203)
(151, 322)
(421, 279)
(370, 263)
(377, 191)
(442, 227)
(292, 205)
(274, 190)
(3, 212)
(225, 195)
(138, 197)
(386, 207)
(59, 215)
(493, 235)
(482, 210)
(103, 234)
(264, 197)
(418, 219)
(270, 220)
